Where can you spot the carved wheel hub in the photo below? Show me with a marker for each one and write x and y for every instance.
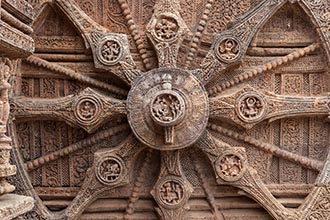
(168, 108)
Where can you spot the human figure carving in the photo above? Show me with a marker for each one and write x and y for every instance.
(231, 165)
(5, 187)
(229, 49)
(110, 50)
(4, 100)
(87, 110)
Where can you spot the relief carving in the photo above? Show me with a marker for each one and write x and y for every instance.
(230, 167)
(228, 50)
(88, 109)
(109, 51)
(109, 170)
(166, 29)
(251, 107)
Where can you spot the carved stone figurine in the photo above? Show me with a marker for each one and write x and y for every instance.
(4, 100)
(5, 168)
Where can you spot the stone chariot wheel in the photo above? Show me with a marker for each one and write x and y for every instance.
(173, 108)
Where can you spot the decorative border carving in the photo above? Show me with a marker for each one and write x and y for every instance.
(18, 43)
(24, 9)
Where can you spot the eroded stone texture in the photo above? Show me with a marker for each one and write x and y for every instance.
(171, 109)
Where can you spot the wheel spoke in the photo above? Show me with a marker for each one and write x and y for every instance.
(247, 106)
(231, 168)
(277, 62)
(138, 185)
(93, 139)
(270, 148)
(168, 108)
(209, 195)
(166, 30)
(74, 75)
(109, 170)
(229, 46)
(135, 32)
(172, 189)
(88, 110)
(319, 194)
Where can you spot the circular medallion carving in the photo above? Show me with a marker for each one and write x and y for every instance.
(167, 102)
(171, 193)
(230, 166)
(251, 107)
(166, 28)
(228, 50)
(109, 51)
(88, 109)
(109, 170)
(167, 108)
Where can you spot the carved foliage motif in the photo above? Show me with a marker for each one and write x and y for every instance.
(320, 210)
(320, 9)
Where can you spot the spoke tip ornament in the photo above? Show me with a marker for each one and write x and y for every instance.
(168, 108)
